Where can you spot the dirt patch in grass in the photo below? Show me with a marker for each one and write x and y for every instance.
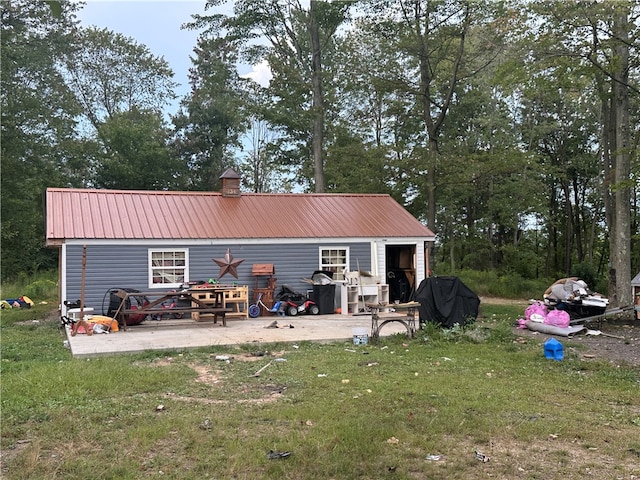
(618, 351)
(270, 393)
(211, 376)
(621, 348)
(205, 375)
(551, 457)
(561, 458)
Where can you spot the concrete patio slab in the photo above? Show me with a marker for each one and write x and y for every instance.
(187, 334)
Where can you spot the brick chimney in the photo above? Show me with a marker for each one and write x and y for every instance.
(230, 183)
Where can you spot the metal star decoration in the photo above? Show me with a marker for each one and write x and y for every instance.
(228, 264)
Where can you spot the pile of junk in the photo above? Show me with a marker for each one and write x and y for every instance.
(574, 296)
(567, 306)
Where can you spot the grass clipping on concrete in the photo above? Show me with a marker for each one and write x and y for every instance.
(402, 409)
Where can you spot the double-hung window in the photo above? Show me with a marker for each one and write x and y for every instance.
(168, 268)
(334, 259)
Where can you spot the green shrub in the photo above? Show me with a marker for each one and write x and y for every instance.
(38, 287)
(501, 333)
(41, 289)
(511, 285)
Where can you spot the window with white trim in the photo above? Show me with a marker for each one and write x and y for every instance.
(334, 259)
(168, 268)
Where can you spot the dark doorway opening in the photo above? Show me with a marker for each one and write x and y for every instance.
(401, 272)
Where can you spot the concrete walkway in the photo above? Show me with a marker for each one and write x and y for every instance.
(188, 334)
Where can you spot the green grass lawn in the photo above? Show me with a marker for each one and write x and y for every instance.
(398, 409)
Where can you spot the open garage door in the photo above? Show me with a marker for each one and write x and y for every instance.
(401, 271)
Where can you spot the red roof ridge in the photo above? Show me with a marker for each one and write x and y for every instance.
(123, 191)
(203, 192)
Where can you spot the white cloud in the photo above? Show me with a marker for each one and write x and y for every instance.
(260, 73)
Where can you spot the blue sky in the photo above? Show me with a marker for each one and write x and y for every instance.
(156, 24)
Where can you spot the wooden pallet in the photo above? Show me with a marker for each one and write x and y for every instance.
(236, 301)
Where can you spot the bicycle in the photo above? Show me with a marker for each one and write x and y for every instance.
(255, 310)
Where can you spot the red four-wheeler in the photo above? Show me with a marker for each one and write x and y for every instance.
(308, 306)
(296, 303)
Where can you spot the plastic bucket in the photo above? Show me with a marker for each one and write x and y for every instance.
(74, 313)
(360, 336)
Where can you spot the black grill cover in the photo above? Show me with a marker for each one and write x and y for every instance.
(446, 301)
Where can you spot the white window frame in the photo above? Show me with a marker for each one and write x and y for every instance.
(170, 251)
(337, 268)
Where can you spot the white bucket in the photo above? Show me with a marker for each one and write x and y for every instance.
(74, 313)
(360, 336)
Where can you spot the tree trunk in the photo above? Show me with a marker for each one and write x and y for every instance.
(318, 104)
(431, 184)
(568, 228)
(621, 256)
(608, 142)
(577, 223)
(452, 251)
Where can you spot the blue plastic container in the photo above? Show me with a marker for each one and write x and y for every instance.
(553, 349)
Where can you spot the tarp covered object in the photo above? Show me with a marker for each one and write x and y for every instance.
(446, 301)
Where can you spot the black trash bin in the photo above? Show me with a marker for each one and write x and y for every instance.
(325, 298)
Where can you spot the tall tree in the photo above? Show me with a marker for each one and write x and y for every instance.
(260, 170)
(211, 117)
(292, 41)
(597, 37)
(137, 154)
(621, 258)
(317, 104)
(111, 73)
(37, 128)
(122, 89)
(484, 206)
(376, 136)
(438, 53)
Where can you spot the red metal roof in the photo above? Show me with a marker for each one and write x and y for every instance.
(131, 214)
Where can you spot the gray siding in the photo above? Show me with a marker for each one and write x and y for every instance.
(110, 266)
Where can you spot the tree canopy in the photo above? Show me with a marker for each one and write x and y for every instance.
(511, 128)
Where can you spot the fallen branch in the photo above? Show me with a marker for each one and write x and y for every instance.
(598, 332)
(257, 374)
